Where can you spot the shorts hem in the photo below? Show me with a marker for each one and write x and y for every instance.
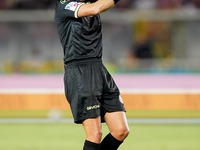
(79, 121)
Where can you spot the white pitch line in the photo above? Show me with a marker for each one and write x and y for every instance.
(160, 90)
(122, 90)
(31, 91)
(130, 120)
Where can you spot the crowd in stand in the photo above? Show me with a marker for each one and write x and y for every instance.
(159, 4)
(123, 4)
(27, 4)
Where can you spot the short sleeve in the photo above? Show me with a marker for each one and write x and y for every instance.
(68, 9)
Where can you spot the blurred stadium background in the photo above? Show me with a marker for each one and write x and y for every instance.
(152, 49)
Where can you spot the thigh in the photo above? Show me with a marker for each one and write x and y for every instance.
(92, 127)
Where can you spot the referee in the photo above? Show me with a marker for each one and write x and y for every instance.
(90, 90)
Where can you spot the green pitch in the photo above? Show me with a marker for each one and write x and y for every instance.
(69, 136)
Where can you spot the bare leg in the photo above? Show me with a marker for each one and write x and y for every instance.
(119, 130)
(117, 124)
(93, 130)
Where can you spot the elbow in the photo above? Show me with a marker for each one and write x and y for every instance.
(96, 11)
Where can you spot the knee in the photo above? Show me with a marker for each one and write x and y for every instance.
(124, 132)
(98, 134)
(121, 133)
(94, 136)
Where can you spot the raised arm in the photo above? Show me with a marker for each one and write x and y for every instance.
(96, 8)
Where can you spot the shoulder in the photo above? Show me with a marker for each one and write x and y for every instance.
(65, 7)
(68, 4)
(68, 8)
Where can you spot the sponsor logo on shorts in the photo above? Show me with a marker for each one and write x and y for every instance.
(93, 107)
(71, 6)
(120, 99)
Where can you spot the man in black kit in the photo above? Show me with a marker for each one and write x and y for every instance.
(89, 88)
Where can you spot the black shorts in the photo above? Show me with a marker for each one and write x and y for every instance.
(90, 90)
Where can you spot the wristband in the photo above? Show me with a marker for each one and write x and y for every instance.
(116, 1)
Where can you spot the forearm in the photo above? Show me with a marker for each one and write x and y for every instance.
(95, 8)
(103, 5)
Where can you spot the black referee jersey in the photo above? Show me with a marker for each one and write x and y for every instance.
(81, 38)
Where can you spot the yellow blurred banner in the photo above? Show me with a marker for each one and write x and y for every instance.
(162, 101)
(131, 101)
(32, 101)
